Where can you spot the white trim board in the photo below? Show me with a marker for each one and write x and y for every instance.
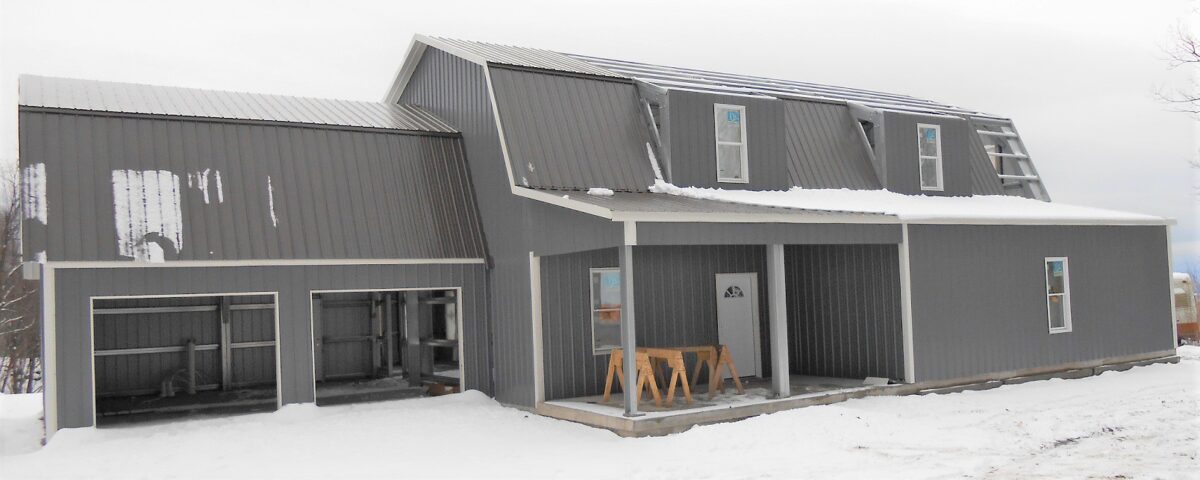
(416, 51)
(1171, 288)
(77, 264)
(535, 299)
(49, 353)
(906, 315)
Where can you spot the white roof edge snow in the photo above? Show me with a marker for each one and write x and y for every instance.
(981, 209)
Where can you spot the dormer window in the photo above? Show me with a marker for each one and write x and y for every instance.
(929, 156)
(731, 144)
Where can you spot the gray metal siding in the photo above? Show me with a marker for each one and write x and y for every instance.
(984, 179)
(693, 141)
(843, 305)
(825, 149)
(75, 94)
(559, 230)
(763, 233)
(456, 90)
(335, 193)
(979, 305)
(74, 287)
(675, 301)
(572, 133)
(903, 176)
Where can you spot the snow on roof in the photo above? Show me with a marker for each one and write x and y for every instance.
(917, 208)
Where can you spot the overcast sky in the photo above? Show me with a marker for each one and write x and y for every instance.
(1078, 77)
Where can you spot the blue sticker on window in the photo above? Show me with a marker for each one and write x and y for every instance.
(733, 116)
(610, 280)
(1056, 268)
(930, 134)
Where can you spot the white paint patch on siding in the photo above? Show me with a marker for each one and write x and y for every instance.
(220, 189)
(40, 256)
(199, 180)
(147, 213)
(271, 202)
(33, 192)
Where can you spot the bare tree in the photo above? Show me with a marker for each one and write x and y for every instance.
(20, 335)
(1183, 52)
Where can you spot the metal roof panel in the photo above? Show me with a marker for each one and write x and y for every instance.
(92, 95)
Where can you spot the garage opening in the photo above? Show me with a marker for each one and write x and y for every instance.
(386, 344)
(156, 357)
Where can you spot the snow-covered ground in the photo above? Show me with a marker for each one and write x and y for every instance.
(1143, 423)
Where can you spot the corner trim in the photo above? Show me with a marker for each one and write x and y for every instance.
(906, 316)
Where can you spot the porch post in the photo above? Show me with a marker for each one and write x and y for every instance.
(777, 311)
(628, 333)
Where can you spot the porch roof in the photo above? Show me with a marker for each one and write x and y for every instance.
(663, 207)
(669, 203)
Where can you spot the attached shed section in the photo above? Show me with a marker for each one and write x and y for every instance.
(154, 209)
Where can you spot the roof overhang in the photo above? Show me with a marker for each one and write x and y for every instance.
(718, 211)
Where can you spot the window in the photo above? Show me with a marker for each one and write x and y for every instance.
(1058, 295)
(606, 309)
(731, 144)
(929, 153)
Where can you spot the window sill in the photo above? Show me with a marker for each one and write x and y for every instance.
(733, 180)
(1060, 330)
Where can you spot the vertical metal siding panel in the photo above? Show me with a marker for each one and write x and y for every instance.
(54, 151)
(296, 173)
(824, 149)
(545, 110)
(194, 151)
(824, 158)
(843, 318)
(86, 142)
(371, 192)
(251, 146)
(577, 132)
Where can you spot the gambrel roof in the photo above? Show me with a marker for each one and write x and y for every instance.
(673, 77)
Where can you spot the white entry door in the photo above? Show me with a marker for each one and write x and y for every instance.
(737, 320)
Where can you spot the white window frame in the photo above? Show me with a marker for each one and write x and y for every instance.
(1066, 295)
(717, 108)
(941, 181)
(592, 309)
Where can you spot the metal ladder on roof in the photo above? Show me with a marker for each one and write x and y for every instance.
(1018, 175)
